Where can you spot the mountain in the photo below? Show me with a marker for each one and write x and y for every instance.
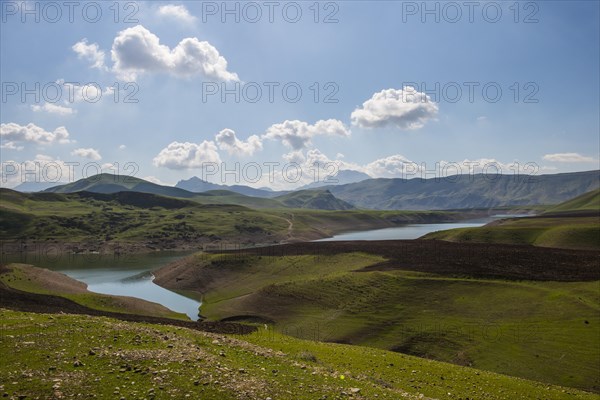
(343, 177)
(466, 191)
(30, 187)
(111, 184)
(313, 199)
(197, 185)
(108, 183)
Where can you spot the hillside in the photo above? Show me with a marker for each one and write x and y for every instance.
(137, 221)
(64, 356)
(313, 199)
(108, 183)
(500, 308)
(217, 194)
(573, 224)
(464, 191)
(589, 201)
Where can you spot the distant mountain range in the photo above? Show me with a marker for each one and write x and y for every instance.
(197, 185)
(343, 177)
(455, 192)
(466, 191)
(107, 184)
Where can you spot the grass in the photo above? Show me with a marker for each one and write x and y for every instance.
(63, 355)
(546, 331)
(574, 224)
(582, 233)
(164, 222)
(589, 201)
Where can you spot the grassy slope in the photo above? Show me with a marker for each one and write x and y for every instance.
(134, 360)
(536, 330)
(589, 201)
(571, 225)
(568, 233)
(36, 280)
(136, 218)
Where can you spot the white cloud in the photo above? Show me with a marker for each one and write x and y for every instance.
(91, 53)
(42, 168)
(136, 50)
(297, 135)
(54, 109)
(89, 153)
(405, 109)
(227, 140)
(178, 12)
(33, 133)
(154, 179)
(179, 155)
(393, 166)
(122, 147)
(569, 158)
(11, 146)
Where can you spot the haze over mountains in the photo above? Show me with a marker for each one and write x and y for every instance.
(455, 192)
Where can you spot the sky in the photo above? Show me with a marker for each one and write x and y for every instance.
(280, 94)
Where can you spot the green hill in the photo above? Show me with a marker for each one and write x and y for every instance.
(574, 224)
(110, 184)
(498, 308)
(64, 356)
(589, 201)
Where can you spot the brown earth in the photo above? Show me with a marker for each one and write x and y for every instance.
(475, 260)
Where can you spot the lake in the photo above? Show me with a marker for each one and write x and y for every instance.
(411, 231)
(127, 275)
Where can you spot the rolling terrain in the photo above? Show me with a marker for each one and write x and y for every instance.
(147, 221)
(574, 224)
(517, 310)
(62, 356)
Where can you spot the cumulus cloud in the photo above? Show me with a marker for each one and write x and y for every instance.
(54, 109)
(42, 168)
(90, 52)
(11, 146)
(404, 109)
(177, 12)
(154, 179)
(393, 166)
(179, 155)
(227, 140)
(122, 147)
(136, 50)
(297, 135)
(89, 153)
(569, 158)
(32, 133)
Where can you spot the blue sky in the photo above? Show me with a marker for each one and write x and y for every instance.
(392, 69)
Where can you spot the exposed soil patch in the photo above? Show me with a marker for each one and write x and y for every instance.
(476, 260)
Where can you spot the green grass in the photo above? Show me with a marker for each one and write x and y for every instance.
(168, 222)
(72, 356)
(546, 331)
(561, 232)
(589, 201)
